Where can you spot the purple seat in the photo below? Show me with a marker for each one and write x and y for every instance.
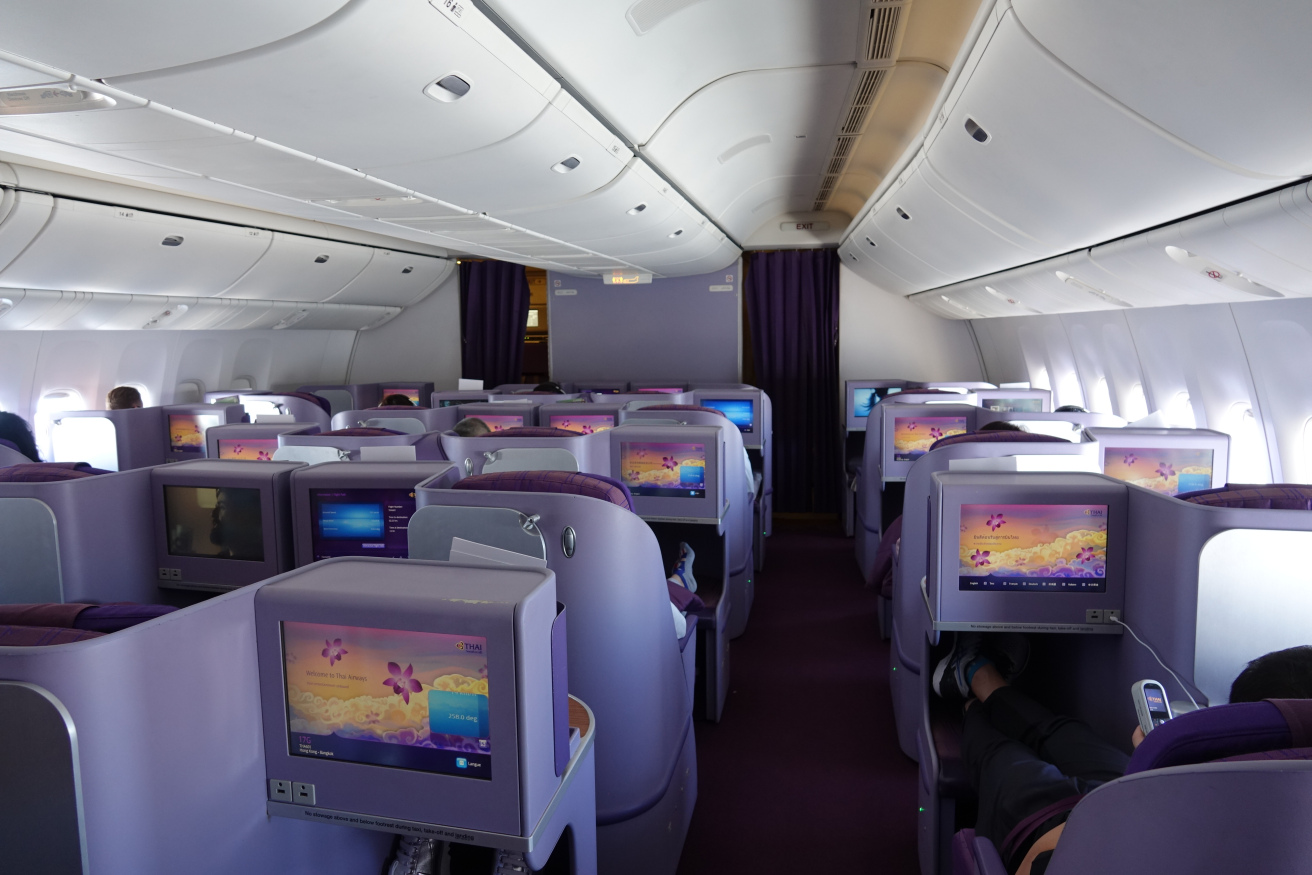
(566, 482)
(47, 472)
(688, 408)
(360, 431)
(998, 437)
(1275, 496)
(42, 636)
(1225, 731)
(91, 618)
(534, 431)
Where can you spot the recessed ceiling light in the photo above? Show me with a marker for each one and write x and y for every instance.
(903, 213)
(638, 209)
(172, 240)
(51, 98)
(567, 165)
(407, 270)
(959, 306)
(321, 259)
(384, 201)
(449, 88)
(977, 133)
(291, 320)
(676, 233)
(871, 242)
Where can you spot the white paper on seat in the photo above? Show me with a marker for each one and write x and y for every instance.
(474, 553)
(404, 453)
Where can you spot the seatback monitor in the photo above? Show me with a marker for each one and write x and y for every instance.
(739, 411)
(412, 395)
(668, 470)
(914, 435)
(496, 421)
(1170, 470)
(582, 423)
(861, 396)
(187, 432)
(1033, 547)
(217, 522)
(360, 522)
(251, 449)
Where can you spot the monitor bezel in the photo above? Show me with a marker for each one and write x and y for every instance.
(993, 610)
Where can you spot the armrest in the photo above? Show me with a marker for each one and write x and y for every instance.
(987, 859)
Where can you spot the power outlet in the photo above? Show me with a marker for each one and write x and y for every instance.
(1093, 615)
(280, 791)
(1111, 615)
(303, 794)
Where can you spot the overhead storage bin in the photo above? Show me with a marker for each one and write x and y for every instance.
(97, 248)
(1061, 163)
(299, 268)
(1213, 241)
(1281, 224)
(1211, 75)
(395, 278)
(1159, 263)
(22, 216)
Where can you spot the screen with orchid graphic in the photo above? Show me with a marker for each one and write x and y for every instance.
(250, 449)
(914, 435)
(187, 431)
(1171, 471)
(1033, 548)
(387, 697)
(583, 424)
(669, 470)
(498, 422)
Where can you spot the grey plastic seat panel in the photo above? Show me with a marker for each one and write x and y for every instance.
(530, 459)
(29, 553)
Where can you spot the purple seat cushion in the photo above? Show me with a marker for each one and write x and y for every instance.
(304, 396)
(112, 618)
(360, 431)
(46, 472)
(684, 600)
(533, 431)
(1276, 496)
(60, 616)
(1288, 753)
(998, 437)
(687, 408)
(566, 482)
(1225, 731)
(882, 577)
(41, 636)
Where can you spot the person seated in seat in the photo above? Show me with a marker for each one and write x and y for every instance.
(397, 400)
(14, 428)
(472, 427)
(1070, 408)
(1030, 766)
(1001, 425)
(123, 398)
(549, 386)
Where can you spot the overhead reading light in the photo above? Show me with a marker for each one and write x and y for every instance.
(903, 213)
(291, 320)
(394, 200)
(1088, 289)
(978, 134)
(320, 259)
(567, 165)
(871, 242)
(676, 233)
(1217, 273)
(172, 240)
(449, 88)
(166, 316)
(625, 278)
(1012, 301)
(638, 209)
(51, 98)
(407, 269)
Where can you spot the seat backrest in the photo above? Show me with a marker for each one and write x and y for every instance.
(624, 659)
(1274, 496)
(592, 485)
(529, 459)
(1225, 731)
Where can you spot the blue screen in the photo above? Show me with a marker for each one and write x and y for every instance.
(739, 411)
(351, 521)
(862, 401)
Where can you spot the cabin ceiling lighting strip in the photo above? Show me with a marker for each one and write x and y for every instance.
(50, 99)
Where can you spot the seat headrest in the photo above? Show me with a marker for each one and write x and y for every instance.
(46, 472)
(304, 396)
(360, 431)
(998, 437)
(1276, 496)
(1225, 731)
(591, 485)
(690, 408)
(532, 431)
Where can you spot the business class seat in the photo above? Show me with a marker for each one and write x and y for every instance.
(528, 448)
(1223, 789)
(47, 472)
(624, 658)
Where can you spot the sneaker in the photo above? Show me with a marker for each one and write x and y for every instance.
(950, 674)
(417, 857)
(1010, 652)
(683, 569)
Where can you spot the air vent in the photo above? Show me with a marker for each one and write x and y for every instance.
(646, 14)
(321, 259)
(166, 316)
(881, 32)
(903, 213)
(854, 121)
(407, 269)
(738, 148)
(567, 165)
(171, 240)
(448, 89)
(638, 209)
(978, 134)
(34, 101)
(1088, 289)
(871, 242)
(676, 233)
(865, 94)
(291, 320)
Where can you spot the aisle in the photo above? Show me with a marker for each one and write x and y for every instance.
(804, 772)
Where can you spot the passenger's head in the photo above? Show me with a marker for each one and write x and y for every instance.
(1284, 674)
(123, 398)
(549, 386)
(472, 427)
(1001, 425)
(397, 400)
(14, 428)
(1070, 408)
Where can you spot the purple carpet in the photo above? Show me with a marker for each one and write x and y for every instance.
(804, 773)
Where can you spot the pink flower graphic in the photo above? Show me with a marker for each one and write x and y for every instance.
(401, 682)
(980, 557)
(1085, 555)
(1165, 471)
(641, 454)
(237, 450)
(263, 456)
(334, 650)
(564, 423)
(912, 426)
(936, 433)
(1130, 459)
(996, 521)
(669, 462)
(586, 429)
(634, 475)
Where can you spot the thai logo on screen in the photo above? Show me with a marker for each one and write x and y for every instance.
(469, 647)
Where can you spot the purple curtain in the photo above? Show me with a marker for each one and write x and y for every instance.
(494, 313)
(792, 306)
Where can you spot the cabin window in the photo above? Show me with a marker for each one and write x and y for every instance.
(246, 384)
(1040, 379)
(1101, 402)
(1180, 412)
(1305, 475)
(1248, 462)
(189, 392)
(1136, 404)
(1069, 391)
(47, 409)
